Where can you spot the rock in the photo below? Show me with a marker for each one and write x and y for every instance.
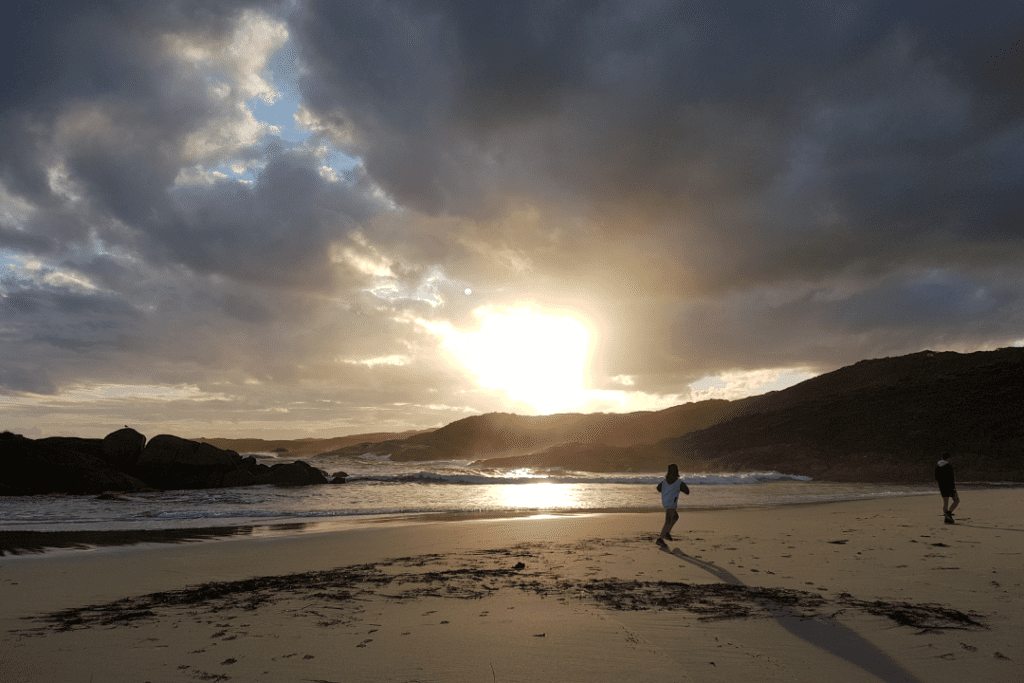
(85, 466)
(170, 462)
(110, 495)
(239, 478)
(58, 465)
(296, 473)
(123, 448)
(254, 467)
(339, 477)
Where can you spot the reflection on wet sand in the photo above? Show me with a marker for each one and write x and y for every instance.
(20, 542)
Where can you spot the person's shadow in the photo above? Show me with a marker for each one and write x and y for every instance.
(823, 632)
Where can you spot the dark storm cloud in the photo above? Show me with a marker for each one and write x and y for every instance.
(278, 230)
(58, 53)
(51, 333)
(99, 71)
(19, 240)
(892, 316)
(716, 186)
(670, 106)
(149, 281)
(752, 144)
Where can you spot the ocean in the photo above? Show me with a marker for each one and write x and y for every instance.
(379, 489)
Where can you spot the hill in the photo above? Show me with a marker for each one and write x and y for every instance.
(887, 419)
(303, 448)
(504, 434)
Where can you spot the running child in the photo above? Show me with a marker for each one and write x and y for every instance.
(670, 487)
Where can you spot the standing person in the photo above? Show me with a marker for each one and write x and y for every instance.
(670, 487)
(947, 487)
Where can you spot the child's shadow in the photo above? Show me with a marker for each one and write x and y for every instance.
(822, 632)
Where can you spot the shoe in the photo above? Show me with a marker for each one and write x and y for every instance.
(949, 520)
(661, 542)
(668, 537)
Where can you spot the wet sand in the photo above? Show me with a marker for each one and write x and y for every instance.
(854, 591)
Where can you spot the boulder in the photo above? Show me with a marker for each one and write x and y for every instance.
(123, 448)
(58, 465)
(239, 478)
(171, 462)
(339, 477)
(296, 473)
(86, 466)
(254, 467)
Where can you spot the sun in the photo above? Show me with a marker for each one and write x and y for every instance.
(534, 357)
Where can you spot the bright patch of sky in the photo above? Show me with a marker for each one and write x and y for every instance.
(428, 290)
(734, 385)
(116, 392)
(8, 262)
(278, 113)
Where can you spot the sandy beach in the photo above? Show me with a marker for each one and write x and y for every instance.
(852, 591)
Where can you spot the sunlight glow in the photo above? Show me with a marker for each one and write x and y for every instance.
(535, 358)
(541, 496)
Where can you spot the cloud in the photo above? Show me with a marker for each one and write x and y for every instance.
(716, 188)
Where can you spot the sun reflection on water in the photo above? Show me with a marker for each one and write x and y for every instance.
(540, 496)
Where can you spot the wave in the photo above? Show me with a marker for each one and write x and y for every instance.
(520, 477)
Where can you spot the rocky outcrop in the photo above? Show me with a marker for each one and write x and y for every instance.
(296, 473)
(123, 448)
(58, 465)
(170, 462)
(123, 461)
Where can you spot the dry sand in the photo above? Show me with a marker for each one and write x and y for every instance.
(852, 591)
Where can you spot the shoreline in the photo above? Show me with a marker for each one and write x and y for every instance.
(21, 542)
(15, 543)
(861, 590)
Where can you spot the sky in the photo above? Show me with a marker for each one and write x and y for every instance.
(312, 218)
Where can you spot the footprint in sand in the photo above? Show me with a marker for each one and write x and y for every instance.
(363, 644)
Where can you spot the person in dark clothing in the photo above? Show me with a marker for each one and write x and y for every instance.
(947, 487)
